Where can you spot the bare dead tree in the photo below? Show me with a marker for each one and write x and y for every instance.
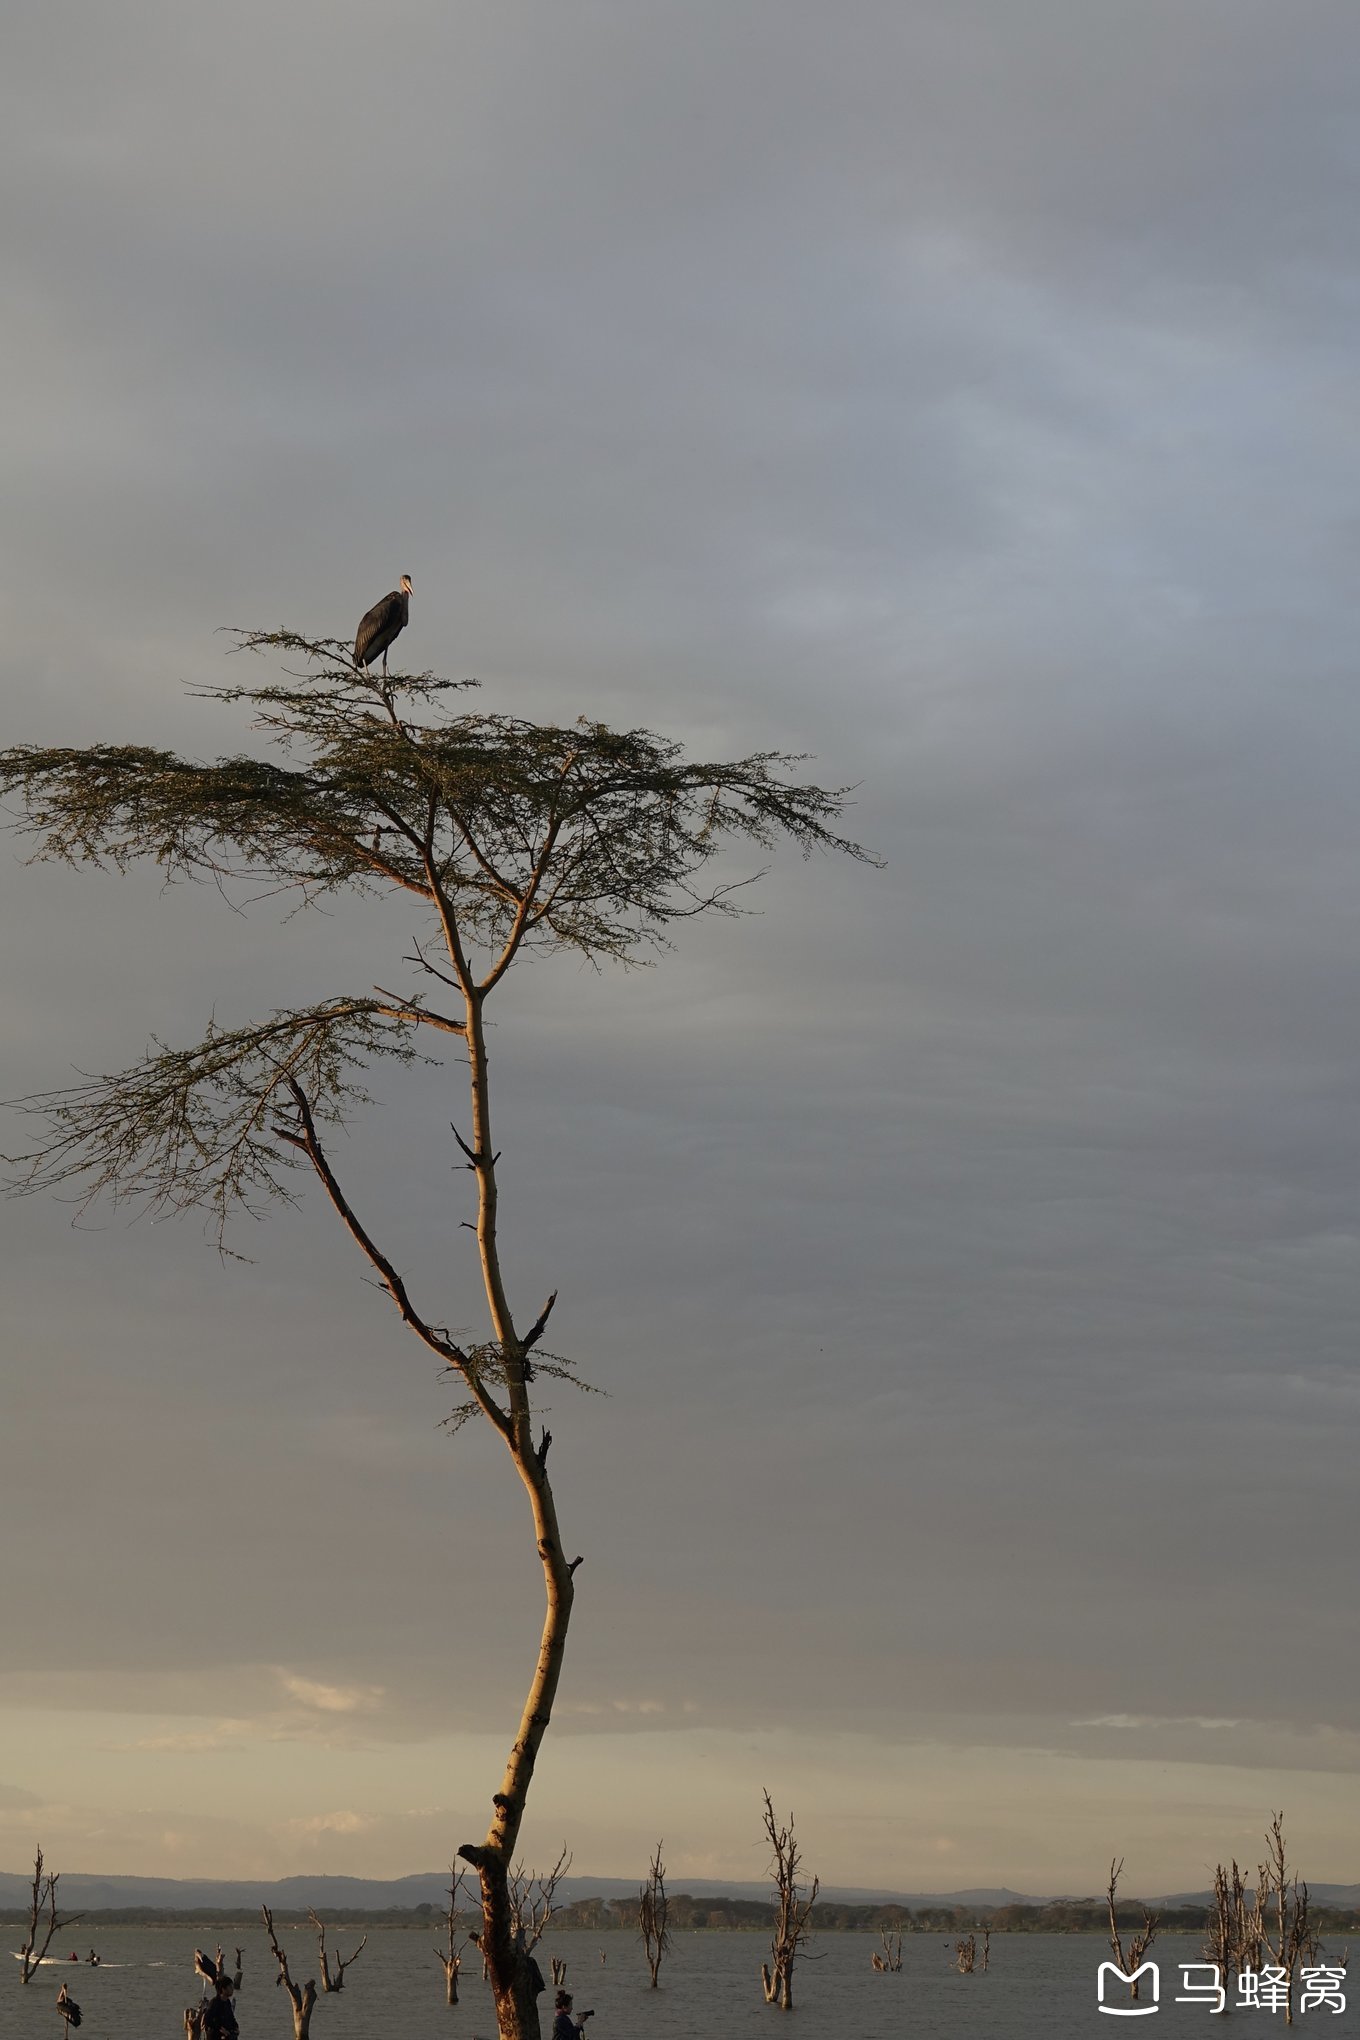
(451, 1955)
(43, 1918)
(193, 2020)
(332, 1979)
(793, 1909)
(653, 1916)
(237, 1973)
(533, 1900)
(890, 1961)
(509, 838)
(1132, 1959)
(986, 1949)
(965, 1955)
(1233, 1932)
(559, 1970)
(1287, 1934)
(302, 1998)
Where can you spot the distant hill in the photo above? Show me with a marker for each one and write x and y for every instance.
(1321, 1894)
(83, 1892)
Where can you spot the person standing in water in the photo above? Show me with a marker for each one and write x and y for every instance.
(219, 2021)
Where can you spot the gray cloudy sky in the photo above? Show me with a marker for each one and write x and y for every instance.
(964, 393)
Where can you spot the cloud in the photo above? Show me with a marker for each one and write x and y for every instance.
(343, 1822)
(327, 1699)
(194, 1742)
(962, 393)
(1205, 1721)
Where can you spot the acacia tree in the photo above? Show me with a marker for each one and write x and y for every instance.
(510, 837)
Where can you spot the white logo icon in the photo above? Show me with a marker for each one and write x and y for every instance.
(1148, 1969)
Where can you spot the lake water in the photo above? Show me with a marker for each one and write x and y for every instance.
(1039, 1987)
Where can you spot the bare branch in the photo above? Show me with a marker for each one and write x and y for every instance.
(187, 1128)
(532, 1894)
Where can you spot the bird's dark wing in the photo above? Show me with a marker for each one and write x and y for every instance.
(385, 621)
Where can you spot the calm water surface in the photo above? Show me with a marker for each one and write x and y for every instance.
(1039, 1987)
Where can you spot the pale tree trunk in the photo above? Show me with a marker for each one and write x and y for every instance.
(332, 1980)
(510, 1968)
(303, 1998)
(451, 1955)
(1131, 1959)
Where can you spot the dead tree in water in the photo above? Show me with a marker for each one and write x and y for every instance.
(965, 1955)
(43, 1918)
(336, 1980)
(1292, 1940)
(302, 1999)
(451, 1956)
(1233, 1940)
(1132, 1960)
(890, 1961)
(509, 838)
(533, 1896)
(793, 1910)
(653, 1915)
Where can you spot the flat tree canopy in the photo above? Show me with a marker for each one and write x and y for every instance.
(515, 837)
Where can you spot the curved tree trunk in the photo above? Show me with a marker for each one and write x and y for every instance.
(514, 1977)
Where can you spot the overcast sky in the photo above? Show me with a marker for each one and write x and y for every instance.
(962, 391)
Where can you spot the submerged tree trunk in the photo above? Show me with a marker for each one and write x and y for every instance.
(793, 1909)
(654, 1916)
(301, 1998)
(43, 1918)
(451, 1955)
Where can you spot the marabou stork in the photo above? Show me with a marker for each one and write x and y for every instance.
(205, 1966)
(385, 622)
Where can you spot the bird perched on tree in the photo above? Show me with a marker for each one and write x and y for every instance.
(205, 1966)
(385, 622)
